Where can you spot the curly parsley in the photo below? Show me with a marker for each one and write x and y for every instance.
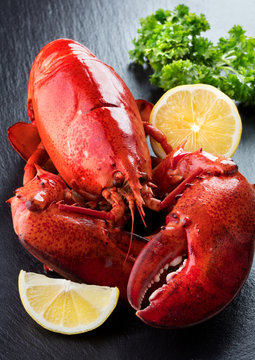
(170, 42)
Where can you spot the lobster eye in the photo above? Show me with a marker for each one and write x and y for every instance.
(118, 179)
(143, 178)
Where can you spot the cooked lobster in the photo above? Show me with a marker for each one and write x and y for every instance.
(89, 178)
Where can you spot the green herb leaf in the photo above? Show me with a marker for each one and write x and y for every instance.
(171, 43)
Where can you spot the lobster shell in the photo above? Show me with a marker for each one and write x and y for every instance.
(87, 118)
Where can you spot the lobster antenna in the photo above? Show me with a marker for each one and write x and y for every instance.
(141, 213)
(132, 211)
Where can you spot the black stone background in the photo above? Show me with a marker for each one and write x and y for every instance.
(107, 28)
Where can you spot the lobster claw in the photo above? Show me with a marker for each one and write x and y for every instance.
(199, 261)
(77, 246)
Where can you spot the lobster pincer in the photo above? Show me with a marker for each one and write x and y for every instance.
(201, 257)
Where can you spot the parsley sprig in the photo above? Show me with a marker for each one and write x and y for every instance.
(171, 43)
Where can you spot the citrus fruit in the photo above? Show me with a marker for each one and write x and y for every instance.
(64, 306)
(199, 114)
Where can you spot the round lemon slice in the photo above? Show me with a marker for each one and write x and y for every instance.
(199, 114)
(64, 306)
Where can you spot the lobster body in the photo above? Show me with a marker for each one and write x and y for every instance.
(86, 126)
(90, 131)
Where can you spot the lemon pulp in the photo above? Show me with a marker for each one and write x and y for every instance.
(199, 114)
(64, 306)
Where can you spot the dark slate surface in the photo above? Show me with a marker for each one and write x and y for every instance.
(107, 28)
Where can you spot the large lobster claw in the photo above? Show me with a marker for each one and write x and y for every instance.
(198, 262)
(77, 246)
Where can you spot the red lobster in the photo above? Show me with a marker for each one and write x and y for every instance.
(89, 135)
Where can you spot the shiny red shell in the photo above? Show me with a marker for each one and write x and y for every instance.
(89, 130)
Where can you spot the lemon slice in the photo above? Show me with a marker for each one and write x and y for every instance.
(64, 306)
(199, 114)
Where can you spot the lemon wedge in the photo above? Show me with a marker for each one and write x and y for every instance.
(199, 114)
(64, 306)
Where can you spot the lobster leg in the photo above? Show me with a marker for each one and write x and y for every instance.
(115, 216)
(145, 109)
(157, 135)
(118, 206)
(39, 157)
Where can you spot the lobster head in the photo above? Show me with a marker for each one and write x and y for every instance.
(66, 100)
